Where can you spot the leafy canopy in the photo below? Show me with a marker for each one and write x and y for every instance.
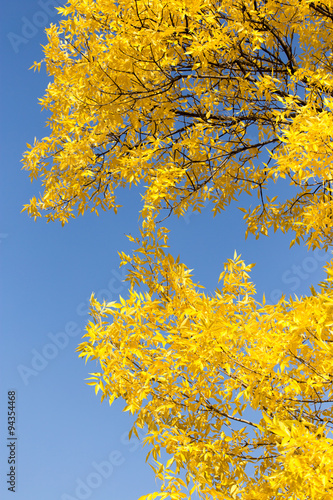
(200, 100)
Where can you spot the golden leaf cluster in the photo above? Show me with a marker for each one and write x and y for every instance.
(203, 101)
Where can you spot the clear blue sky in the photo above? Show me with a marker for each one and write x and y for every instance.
(69, 445)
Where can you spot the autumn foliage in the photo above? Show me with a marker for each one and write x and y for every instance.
(196, 101)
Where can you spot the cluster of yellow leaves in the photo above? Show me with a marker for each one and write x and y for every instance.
(202, 100)
(237, 392)
(187, 97)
